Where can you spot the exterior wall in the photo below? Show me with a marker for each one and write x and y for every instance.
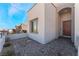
(17, 36)
(61, 6)
(77, 22)
(47, 15)
(37, 12)
(50, 22)
(77, 26)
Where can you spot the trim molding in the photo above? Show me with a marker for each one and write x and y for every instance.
(37, 3)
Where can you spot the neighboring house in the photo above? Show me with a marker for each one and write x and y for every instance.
(20, 28)
(4, 32)
(24, 28)
(48, 21)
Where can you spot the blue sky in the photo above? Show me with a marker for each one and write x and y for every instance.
(13, 14)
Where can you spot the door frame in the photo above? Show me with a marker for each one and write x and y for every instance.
(62, 29)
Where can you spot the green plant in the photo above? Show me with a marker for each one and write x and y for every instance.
(9, 53)
(7, 44)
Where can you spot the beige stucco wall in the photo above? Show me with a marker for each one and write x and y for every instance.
(47, 15)
(50, 22)
(47, 23)
(77, 21)
(52, 26)
(37, 12)
(59, 7)
(77, 26)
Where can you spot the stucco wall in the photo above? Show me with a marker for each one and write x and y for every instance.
(17, 36)
(37, 12)
(47, 15)
(77, 25)
(59, 7)
(65, 17)
(50, 22)
(76, 20)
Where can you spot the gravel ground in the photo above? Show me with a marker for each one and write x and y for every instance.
(58, 47)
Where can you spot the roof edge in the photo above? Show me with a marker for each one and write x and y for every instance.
(32, 6)
(36, 4)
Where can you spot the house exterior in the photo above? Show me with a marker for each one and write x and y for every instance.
(20, 28)
(48, 21)
(24, 27)
(4, 32)
(77, 26)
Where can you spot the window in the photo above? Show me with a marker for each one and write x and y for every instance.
(34, 25)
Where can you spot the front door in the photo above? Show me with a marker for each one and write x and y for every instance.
(67, 28)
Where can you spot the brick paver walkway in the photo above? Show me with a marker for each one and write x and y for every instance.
(58, 47)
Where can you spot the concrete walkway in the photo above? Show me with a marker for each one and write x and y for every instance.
(2, 41)
(58, 47)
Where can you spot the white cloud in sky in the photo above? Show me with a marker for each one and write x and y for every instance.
(13, 9)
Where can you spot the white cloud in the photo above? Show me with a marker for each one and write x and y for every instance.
(13, 9)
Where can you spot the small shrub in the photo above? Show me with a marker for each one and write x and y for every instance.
(24, 31)
(9, 53)
(7, 44)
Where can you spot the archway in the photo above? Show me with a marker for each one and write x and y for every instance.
(65, 22)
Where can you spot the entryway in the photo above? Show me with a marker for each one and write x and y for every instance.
(67, 28)
(65, 22)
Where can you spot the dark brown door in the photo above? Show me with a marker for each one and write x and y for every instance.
(67, 28)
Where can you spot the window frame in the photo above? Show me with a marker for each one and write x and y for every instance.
(32, 25)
